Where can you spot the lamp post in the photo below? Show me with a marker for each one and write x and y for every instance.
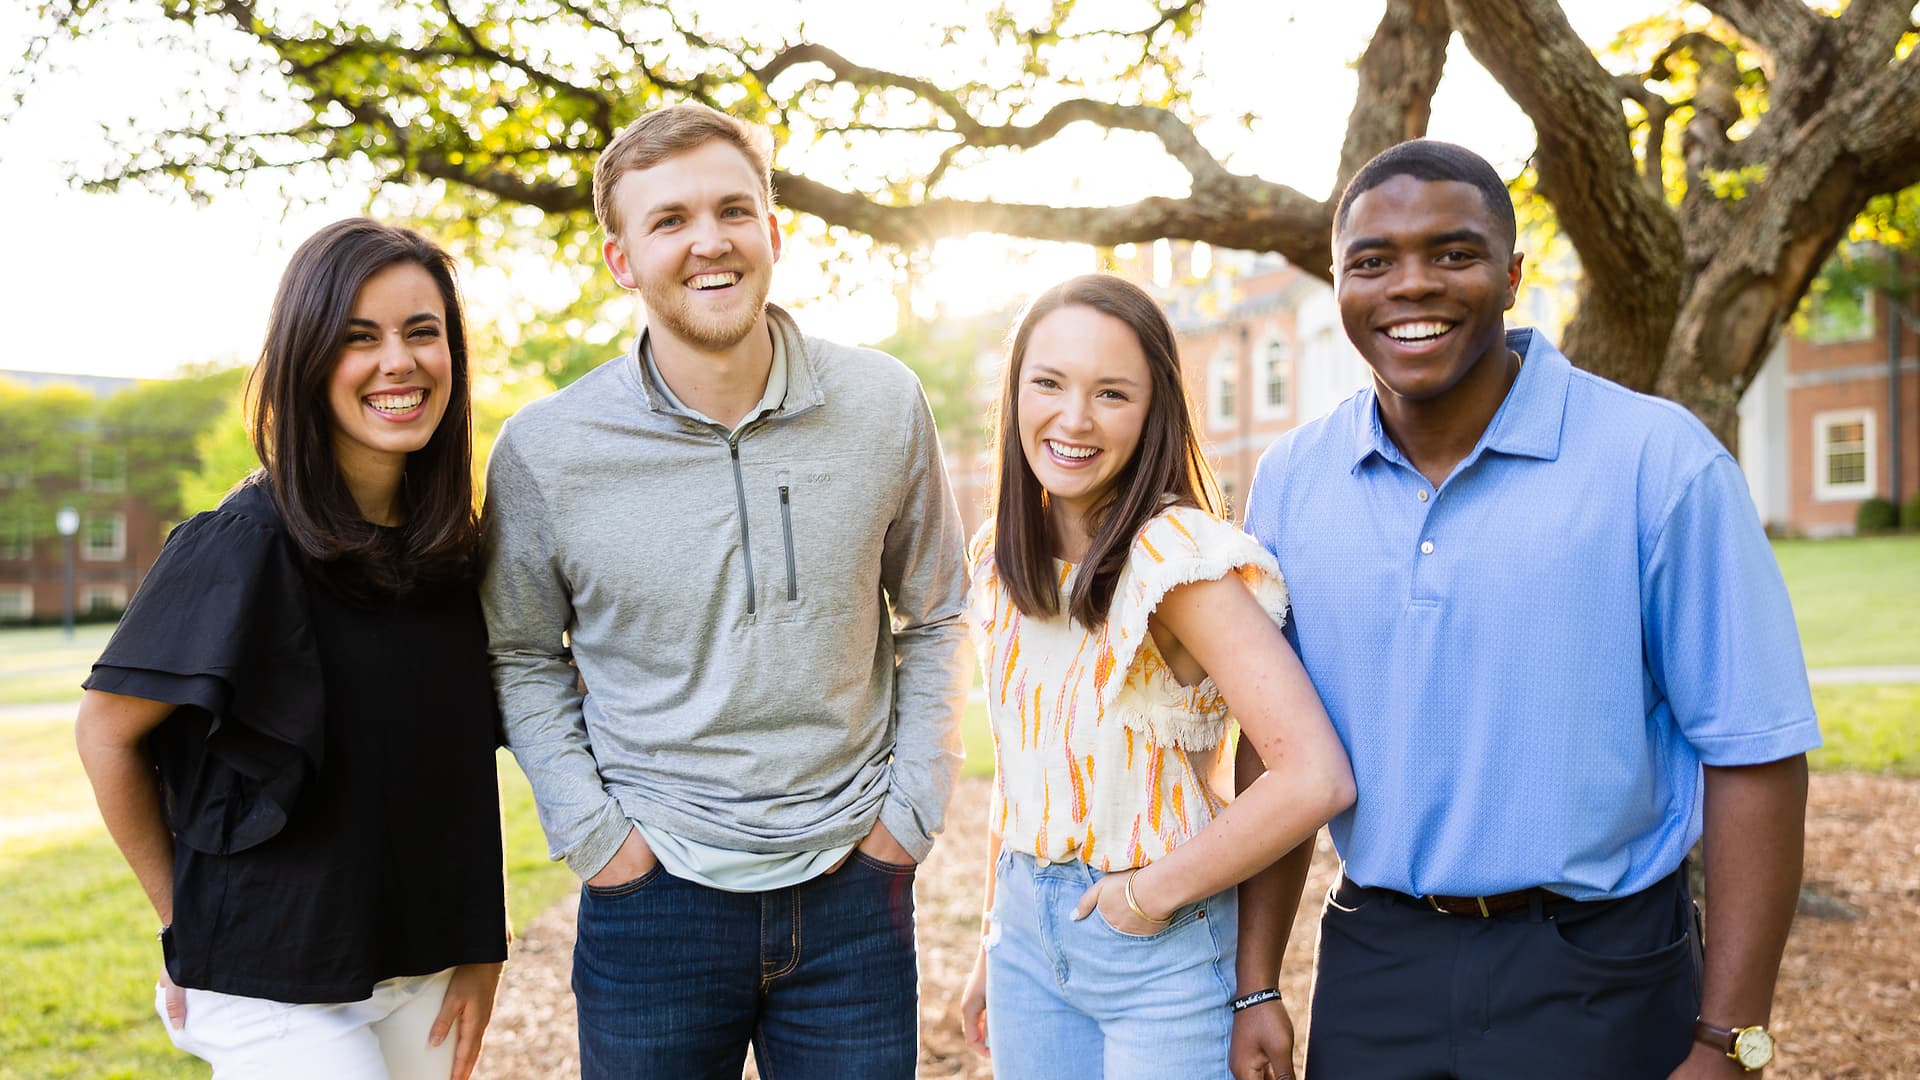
(68, 522)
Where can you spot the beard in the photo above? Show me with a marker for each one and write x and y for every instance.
(671, 310)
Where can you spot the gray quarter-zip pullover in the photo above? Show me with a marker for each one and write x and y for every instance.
(769, 620)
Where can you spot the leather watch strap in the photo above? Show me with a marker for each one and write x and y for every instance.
(1719, 1038)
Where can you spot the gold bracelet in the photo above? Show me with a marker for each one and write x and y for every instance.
(1134, 905)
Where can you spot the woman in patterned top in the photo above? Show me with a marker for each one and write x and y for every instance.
(1119, 620)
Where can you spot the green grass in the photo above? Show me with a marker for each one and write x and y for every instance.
(40, 665)
(1857, 600)
(1869, 728)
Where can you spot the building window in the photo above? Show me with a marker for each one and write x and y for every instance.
(103, 537)
(1223, 389)
(103, 599)
(1276, 378)
(16, 602)
(103, 468)
(1843, 453)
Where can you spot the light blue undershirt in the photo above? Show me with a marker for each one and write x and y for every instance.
(715, 867)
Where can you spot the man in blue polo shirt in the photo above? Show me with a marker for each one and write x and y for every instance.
(1546, 623)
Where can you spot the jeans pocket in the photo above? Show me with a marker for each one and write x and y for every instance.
(1183, 918)
(625, 888)
(895, 869)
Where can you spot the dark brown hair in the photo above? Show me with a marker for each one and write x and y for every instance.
(1167, 466)
(293, 421)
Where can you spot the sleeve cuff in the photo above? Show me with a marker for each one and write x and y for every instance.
(1783, 741)
(592, 854)
(904, 824)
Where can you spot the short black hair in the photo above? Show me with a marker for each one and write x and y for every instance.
(1431, 160)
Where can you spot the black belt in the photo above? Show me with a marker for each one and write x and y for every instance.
(1479, 907)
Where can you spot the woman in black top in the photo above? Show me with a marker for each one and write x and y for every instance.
(291, 733)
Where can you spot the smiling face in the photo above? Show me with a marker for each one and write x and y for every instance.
(698, 244)
(393, 375)
(1083, 400)
(1423, 277)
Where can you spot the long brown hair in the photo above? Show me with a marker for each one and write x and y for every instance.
(1167, 466)
(293, 421)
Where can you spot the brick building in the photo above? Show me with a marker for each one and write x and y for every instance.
(119, 536)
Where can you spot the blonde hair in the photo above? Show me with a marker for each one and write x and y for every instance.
(660, 134)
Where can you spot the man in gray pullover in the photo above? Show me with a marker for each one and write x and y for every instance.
(744, 539)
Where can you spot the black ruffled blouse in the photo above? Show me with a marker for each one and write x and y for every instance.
(329, 773)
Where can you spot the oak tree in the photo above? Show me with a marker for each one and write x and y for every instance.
(1702, 187)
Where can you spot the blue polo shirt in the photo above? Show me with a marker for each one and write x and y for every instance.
(1529, 665)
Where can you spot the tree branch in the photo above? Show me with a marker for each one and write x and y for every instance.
(1658, 109)
(1587, 169)
(1787, 29)
(1173, 132)
(1885, 134)
(1264, 217)
(1398, 74)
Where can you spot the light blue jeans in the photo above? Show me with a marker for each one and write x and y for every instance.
(1070, 999)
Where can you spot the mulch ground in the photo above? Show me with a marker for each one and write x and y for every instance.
(1847, 1004)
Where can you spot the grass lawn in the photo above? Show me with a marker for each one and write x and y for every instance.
(40, 664)
(1869, 728)
(1857, 600)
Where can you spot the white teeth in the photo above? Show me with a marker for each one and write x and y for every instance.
(1417, 331)
(712, 281)
(1078, 453)
(397, 403)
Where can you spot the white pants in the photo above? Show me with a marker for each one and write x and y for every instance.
(381, 1038)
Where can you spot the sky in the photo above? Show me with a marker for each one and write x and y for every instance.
(139, 284)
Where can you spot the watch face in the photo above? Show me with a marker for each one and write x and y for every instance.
(1753, 1048)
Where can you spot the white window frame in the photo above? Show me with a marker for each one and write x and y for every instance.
(25, 595)
(1823, 425)
(1224, 371)
(1263, 406)
(109, 597)
(111, 485)
(117, 552)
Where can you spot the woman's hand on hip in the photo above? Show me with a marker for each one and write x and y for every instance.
(1108, 896)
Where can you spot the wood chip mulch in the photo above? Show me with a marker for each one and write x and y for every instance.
(1848, 1004)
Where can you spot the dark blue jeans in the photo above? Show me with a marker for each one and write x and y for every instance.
(674, 980)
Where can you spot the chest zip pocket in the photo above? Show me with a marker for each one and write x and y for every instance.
(786, 529)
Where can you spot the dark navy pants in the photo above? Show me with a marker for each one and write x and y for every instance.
(1564, 990)
(673, 979)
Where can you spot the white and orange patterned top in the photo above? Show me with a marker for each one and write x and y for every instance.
(1099, 753)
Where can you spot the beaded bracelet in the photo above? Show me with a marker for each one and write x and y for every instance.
(1258, 997)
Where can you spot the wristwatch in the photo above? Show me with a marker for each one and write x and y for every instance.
(1751, 1048)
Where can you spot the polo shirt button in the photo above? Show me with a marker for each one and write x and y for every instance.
(1426, 547)
(1423, 494)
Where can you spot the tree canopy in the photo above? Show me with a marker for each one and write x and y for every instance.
(1703, 169)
